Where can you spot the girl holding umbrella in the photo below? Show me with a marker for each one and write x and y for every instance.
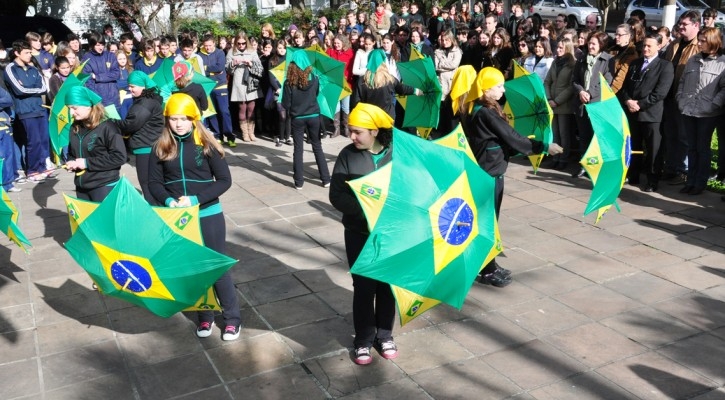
(96, 151)
(373, 304)
(187, 167)
(143, 125)
(299, 98)
(491, 139)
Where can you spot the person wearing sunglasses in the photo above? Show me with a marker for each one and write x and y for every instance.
(245, 69)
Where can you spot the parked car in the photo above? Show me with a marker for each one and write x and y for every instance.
(578, 9)
(653, 10)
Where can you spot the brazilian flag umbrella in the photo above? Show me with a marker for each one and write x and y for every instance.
(330, 73)
(60, 119)
(608, 156)
(9, 219)
(528, 109)
(432, 222)
(184, 221)
(146, 263)
(421, 111)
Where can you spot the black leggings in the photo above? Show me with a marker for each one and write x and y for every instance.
(373, 303)
(213, 230)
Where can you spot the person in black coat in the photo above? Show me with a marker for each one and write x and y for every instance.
(373, 304)
(492, 141)
(96, 151)
(187, 168)
(378, 87)
(643, 95)
(299, 98)
(183, 74)
(142, 125)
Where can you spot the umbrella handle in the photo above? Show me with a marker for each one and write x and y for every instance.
(125, 285)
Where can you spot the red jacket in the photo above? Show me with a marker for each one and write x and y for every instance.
(346, 56)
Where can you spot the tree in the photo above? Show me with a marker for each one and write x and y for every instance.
(150, 14)
(297, 4)
(603, 7)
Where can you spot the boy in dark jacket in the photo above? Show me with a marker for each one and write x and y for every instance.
(103, 68)
(7, 145)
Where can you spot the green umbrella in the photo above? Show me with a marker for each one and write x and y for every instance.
(330, 73)
(528, 109)
(9, 219)
(432, 222)
(164, 78)
(60, 118)
(608, 155)
(132, 254)
(421, 111)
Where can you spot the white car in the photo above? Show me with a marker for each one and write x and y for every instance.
(579, 9)
(653, 10)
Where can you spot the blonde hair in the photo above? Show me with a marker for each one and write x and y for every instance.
(167, 148)
(95, 117)
(380, 78)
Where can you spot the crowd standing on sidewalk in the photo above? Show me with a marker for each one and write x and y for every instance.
(670, 82)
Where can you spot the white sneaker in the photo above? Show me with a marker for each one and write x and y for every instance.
(14, 189)
(37, 178)
(231, 332)
(20, 181)
(204, 329)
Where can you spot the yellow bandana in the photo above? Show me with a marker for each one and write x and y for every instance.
(486, 79)
(183, 104)
(462, 81)
(369, 116)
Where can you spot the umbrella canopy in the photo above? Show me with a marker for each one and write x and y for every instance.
(9, 219)
(608, 155)
(428, 240)
(164, 78)
(154, 267)
(421, 111)
(528, 109)
(331, 74)
(60, 119)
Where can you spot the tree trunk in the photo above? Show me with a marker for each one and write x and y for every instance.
(297, 4)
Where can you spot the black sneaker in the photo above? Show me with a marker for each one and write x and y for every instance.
(502, 271)
(495, 279)
(231, 332)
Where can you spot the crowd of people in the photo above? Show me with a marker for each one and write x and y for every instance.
(670, 84)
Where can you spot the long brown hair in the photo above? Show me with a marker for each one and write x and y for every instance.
(96, 116)
(297, 77)
(492, 105)
(167, 148)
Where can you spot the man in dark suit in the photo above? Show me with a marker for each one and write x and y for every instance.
(645, 87)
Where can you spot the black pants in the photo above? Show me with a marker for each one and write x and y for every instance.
(498, 197)
(312, 126)
(213, 230)
(373, 304)
(95, 194)
(142, 172)
(646, 137)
